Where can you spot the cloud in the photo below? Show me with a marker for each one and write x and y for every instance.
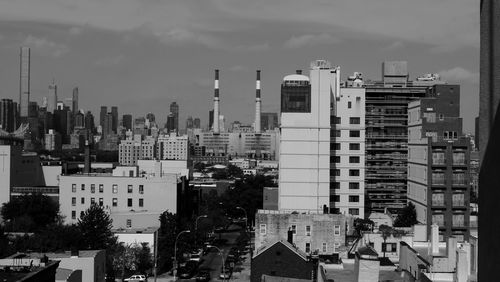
(394, 45)
(459, 75)
(45, 46)
(310, 39)
(111, 61)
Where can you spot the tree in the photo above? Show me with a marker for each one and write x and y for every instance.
(30, 212)
(95, 225)
(361, 224)
(407, 217)
(166, 240)
(144, 260)
(234, 171)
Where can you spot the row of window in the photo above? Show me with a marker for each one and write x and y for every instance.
(352, 146)
(352, 198)
(352, 185)
(352, 211)
(352, 120)
(130, 188)
(293, 228)
(336, 172)
(352, 159)
(101, 202)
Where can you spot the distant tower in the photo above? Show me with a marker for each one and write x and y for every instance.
(189, 122)
(102, 115)
(7, 115)
(127, 122)
(114, 120)
(52, 97)
(197, 123)
(216, 103)
(75, 101)
(257, 104)
(24, 80)
(174, 109)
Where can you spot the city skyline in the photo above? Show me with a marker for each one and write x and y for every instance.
(149, 61)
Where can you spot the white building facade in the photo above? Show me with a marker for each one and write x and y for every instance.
(172, 147)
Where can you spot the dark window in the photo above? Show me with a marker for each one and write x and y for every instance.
(83, 200)
(335, 159)
(115, 202)
(353, 185)
(354, 160)
(73, 201)
(81, 214)
(101, 202)
(335, 120)
(354, 146)
(334, 172)
(92, 201)
(349, 104)
(83, 187)
(335, 198)
(354, 133)
(296, 98)
(129, 189)
(334, 185)
(354, 172)
(353, 199)
(129, 202)
(389, 247)
(73, 214)
(73, 188)
(354, 120)
(334, 146)
(141, 189)
(92, 188)
(141, 202)
(101, 188)
(354, 211)
(335, 133)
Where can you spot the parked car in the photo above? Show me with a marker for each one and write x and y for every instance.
(188, 270)
(136, 278)
(203, 276)
(226, 274)
(195, 257)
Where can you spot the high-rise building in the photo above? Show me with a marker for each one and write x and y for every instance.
(170, 123)
(269, 121)
(197, 123)
(151, 117)
(114, 114)
(172, 147)
(439, 162)
(189, 122)
(74, 106)
(79, 120)
(130, 151)
(174, 109)
(210, 119)
(107, 129)
(7, 115)
(347, 154)
(305, 139)
(127, 122)
(52, 98)
(102, 115)
(89, 122)
(24, 80)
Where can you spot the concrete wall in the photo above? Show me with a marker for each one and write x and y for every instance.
(93, 267)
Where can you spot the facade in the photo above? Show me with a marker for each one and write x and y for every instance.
(324, 233)
(304, 176)
(269, 121)
(130, 151)
(386, 136)
(33, 269)
(52, 98)
(102, 115)
(174, 109)
(125, 197)
(114, 119)
(439, 162)
(281, 259)
(270, 198)
(8, 115)
(138, 236)
(24, 80)
(172, 147)
(74, 101)
(127, 122)
(53, 141)
(347, 159)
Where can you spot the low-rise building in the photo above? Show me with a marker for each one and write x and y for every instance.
(27, 268)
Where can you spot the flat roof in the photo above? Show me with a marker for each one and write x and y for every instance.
(347, 274)
(67, 254)
(135, 230)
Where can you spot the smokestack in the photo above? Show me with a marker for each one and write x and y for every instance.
(216, 103)
(86, 165)
(290, 236)
(257, 104)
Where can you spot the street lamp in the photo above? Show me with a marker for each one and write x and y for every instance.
(175, 251)
(246, 217)
(222, 256)
(196, 228)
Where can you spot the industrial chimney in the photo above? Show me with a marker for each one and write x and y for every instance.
(257, 104)
(86, 165)
(216, 103)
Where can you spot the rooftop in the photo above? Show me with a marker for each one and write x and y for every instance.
(67, 254)
(347, 274)
(136, 230)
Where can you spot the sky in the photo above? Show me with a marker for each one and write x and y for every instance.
(141, 55)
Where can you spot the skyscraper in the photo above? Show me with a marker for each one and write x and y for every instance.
(174, 109)
(74, 101)
(197, 123)
(269, 121)
(7, 115)
(210, 119)
(52, 98)
(189, 122)
(102, 115)
(107, 129)
(89, 122)
(24, 80)
(127, 122)
(114, 114)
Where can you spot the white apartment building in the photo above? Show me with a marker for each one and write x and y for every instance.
(172, 147)
(304, 162)
(133, 202)
(347, 160)
(129, 151)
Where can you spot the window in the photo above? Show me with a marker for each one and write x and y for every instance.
(335, 172)
(335, 133)
(354, 211)
(389, 247)
(354, 146)
(308, 247)
(92, 201)
(101, 202)
(294, 229)
(129, 202)
(354, 172)
(334, 146)
(82, 214)
(335, 159)
(353, 185)
(83, 187)
(141, 189)
(349, 104)
(73, 214)
(92, 188)
(458, 158)
(354, 120)
(101, 188)
(336, 230)
(336, 120)
(334, 185)
(354, 199)
(336, 245)
(141, 202)
(354, 133)
(324, 247)
(115, 188)
(129, 223)
(73, 201)
(129, 188)
(438, 158)
(335, 198)
(262, 229)
(73, 188)
(438, 178)
(83, 200)
(458, 178)
(354, 160)
(441, 117)
(115, 202)
(308, 230)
